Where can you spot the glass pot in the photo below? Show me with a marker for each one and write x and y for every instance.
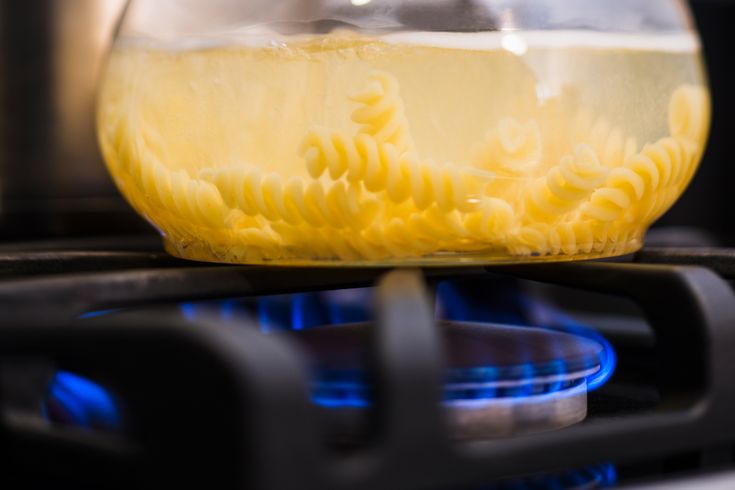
(423, 132)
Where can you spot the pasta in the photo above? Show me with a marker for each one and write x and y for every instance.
(689, 116)
(662, 165)
(572, 238)
(512, 149)
(689, 113)
(369, 195)
(623, 188)
(544, 239)
(565, 186)
(255, 244)
(395, 239)
(325, 243)
(381, 114)
(613, 148)
(191, 200)
(610, 144)
(492, 222)
(381, 167)
(294, 202)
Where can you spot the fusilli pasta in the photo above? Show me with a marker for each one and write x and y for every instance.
(294, 202)
(382, 113)
(565, 186)
(572, 238)
(513, 149)
(661, 165)
(689, 112)
(381, 167)
(611, 145)
(492, 222)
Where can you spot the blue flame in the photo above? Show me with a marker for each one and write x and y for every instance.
(498, 301)
(358, 395)
(189, 310)
(309, 310)
(298, 309)
(227, 310)
(503, 303)
(263, 317)
(594, 477)
(97, 314)
(80, 402)
(555, 319)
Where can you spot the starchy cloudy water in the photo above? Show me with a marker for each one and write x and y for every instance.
(428, 147)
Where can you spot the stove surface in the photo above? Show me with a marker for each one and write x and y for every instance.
(123, 367)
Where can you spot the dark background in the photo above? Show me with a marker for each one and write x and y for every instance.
(710, 201)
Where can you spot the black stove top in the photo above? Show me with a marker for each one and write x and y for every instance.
(187, 389)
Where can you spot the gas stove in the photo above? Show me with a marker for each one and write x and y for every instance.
(121, 367)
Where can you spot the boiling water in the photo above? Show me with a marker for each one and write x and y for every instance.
(423, 147)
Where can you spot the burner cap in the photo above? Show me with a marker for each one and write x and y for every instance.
(500, 379)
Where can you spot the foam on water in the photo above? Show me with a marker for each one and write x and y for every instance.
(511, 40)
(680, 42)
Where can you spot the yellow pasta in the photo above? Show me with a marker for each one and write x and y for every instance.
(689, 113)
(492, 223)
(610, 143)
(369, 195)
(658, 168)
(255, 244)
(437, 225)
(382, 113)
(295, 201)
(565, 186)
(194, 201)
(324, 243)
(395, 239)
(511, 149)
(562, 238)
(573, 238)
(381, 167)
(689, 118)
(623, 188)
(613, 148)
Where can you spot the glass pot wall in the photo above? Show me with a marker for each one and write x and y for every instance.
(374, 132)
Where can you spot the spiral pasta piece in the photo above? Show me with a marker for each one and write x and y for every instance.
(396, 238)
(659, 167)
(513, 149)
(572, 238)
(437, 225)
(493, 222)
(566, 185)
(689, 119)
(323, 243)
(256, 244)
(380, 167)
(613, 148)
(188, 199)
(610, 143)
(382, 112)
(294, 202)
(624, 187)
(563, 238)
(689, 113)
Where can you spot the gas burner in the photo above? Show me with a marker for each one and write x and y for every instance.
(591, 478)
(500, 380)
